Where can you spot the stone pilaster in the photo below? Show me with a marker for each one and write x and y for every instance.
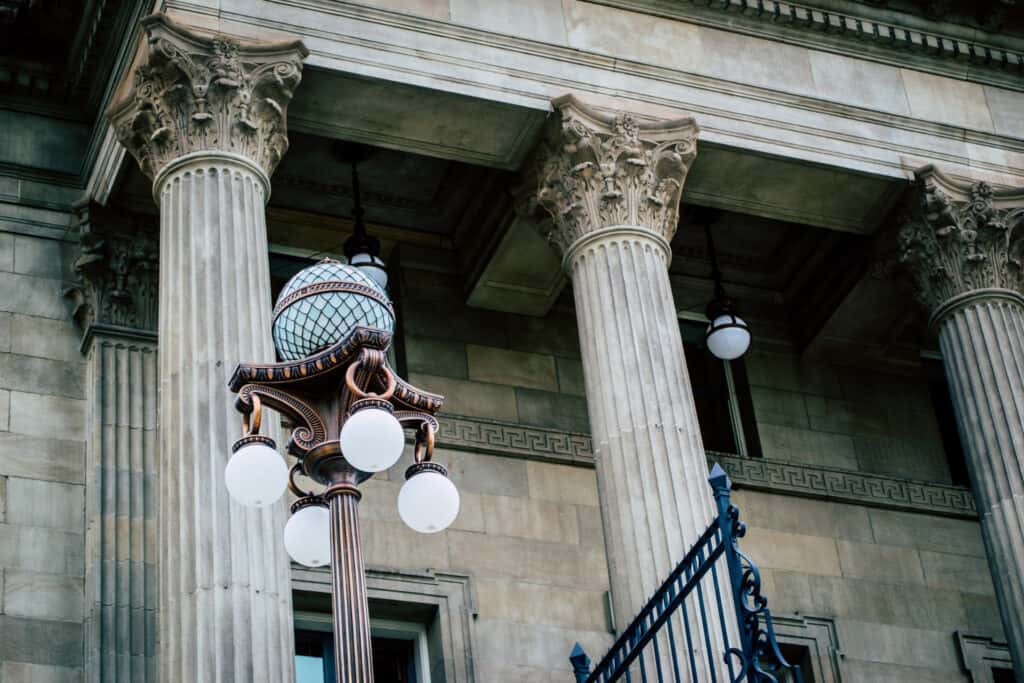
(612, 187)
(963, 245)
(205, 119)
(115, 305)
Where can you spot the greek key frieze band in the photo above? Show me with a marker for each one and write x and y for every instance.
(859, 488)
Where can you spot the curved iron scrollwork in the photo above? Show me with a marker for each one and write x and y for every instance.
(669, 640)
(309, 429)
(759, 657)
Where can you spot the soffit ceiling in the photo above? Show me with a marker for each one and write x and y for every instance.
(55, 55)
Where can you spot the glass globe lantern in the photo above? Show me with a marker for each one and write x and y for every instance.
(320, 305)
(307, 535)
(428, 502)
(727, 336)
(256, 475)
(372, 439)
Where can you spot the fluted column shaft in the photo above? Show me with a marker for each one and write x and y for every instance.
(225, 594)
(651, 468)
(121, 508)
(611, 186)
(982, 342)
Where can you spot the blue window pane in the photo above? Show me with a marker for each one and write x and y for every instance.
(309, 669)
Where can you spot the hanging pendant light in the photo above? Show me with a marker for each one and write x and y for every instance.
(727, 336)
(362, 249)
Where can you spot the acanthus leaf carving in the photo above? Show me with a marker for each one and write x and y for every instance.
(602, 171)
(118, 278)
(961, 238)
(194, 93)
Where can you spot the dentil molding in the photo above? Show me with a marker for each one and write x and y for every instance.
(598, 171)
(197, 93)
(961, 238)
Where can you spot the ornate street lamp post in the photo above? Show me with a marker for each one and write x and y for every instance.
(348, 412)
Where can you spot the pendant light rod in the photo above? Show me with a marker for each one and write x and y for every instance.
(716, 274)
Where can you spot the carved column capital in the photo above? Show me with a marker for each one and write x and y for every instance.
(118, 277)
(599, 171)
(962, 238)
(197, 93)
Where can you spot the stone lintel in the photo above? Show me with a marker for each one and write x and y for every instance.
(193, 92)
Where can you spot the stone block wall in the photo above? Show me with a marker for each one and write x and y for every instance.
(43, 416)
(490, 365)
(897, 585)
(816, 413)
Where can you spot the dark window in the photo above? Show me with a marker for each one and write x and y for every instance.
(394, 659)
(795, 655)
(721, 393)
(1002, 675)
(943, 404)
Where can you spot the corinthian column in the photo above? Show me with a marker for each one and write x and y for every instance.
(205, 118)
(612, 187)
(115, 305)
(963, 246)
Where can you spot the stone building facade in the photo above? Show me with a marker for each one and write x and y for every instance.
(536, 172)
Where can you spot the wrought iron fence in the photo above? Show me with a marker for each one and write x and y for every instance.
(686, 631)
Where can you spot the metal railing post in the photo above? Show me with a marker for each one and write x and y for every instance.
(580, 663)
(732, 529)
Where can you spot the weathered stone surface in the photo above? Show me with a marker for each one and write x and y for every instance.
(570, 376)
(32, 296)
(39, 458)
(43, 596)
(46, 504)
(880, 562)
(532, 603)
(35, 641)
(555, 411)
(515, 368)
(42, 337)
(473, 399)
(436, 356)
(540, 520)
(20, 672)
(5, 332)
(802, 516)
(926, 532)
(792, 444)
(793, 552)
(5, 411)
(959, 572)
(786, 408)
(6, 252)
(42, 375)
(47, 416)
(487, 474)
(40, 549)
(897, 645)
(845, 417)
(562, 484)
(35, 256)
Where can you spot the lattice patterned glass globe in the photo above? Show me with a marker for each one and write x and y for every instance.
(322, 303)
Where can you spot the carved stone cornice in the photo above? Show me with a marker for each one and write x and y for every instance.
(198, 93)
(600, 171)
(118, 279)
(962, 238)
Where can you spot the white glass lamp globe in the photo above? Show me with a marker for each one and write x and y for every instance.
(372, 266)
(372, 439)
(428, 502)
(307, 535)
(728, 337)
(256, 475)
